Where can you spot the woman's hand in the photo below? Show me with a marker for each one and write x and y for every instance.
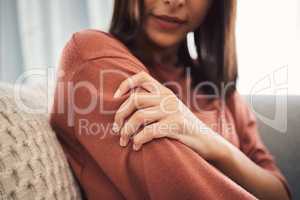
(156, 112)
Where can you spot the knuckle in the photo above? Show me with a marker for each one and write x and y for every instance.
(125, 132)
(140, 100)
(167, 91)
(131, 97)
(155, 134)
(138, 140)
(135, 95)
(117, 117)
(143, 73)
(126, 135)
(138, 116)
(144, 76)
(135, 99)
(152, 131)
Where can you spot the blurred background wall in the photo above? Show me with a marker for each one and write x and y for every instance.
(33, 33)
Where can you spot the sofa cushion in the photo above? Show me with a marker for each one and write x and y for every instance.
(284, 113)
(32, 162)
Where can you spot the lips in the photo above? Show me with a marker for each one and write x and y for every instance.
(168, 22)
(171, 19)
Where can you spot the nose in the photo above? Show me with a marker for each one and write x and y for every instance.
(175, 3)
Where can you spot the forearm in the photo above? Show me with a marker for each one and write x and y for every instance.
(258, 181)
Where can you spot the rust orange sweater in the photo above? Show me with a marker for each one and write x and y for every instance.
(92, 66)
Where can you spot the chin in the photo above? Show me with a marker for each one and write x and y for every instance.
(164, 40)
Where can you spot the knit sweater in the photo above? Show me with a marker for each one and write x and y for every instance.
(163, 168)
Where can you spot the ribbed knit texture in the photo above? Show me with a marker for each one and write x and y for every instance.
(32, 162)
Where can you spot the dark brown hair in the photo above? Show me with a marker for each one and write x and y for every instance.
(214, 40)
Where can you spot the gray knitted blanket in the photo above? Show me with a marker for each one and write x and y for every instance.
(32, 162)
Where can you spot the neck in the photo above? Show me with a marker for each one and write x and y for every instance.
(153, 54)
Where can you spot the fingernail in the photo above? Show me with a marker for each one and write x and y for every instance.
(136, 147)
(122, 142)
(117, 94)
(115, 128)
(126, 140)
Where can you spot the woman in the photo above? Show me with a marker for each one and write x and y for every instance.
(184, 131)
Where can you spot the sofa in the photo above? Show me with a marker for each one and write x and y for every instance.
(33, 165)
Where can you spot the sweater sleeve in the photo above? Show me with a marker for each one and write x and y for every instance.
(162, 169)
(250, 141)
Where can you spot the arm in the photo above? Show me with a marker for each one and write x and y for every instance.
(163, 169)
(229, 159)
(260, 182)
(252, 166)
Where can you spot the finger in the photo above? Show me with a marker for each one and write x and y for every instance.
(147, 134)
(137, 80)
(139, 118)
(133, 103)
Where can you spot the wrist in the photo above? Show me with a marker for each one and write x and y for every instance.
(222, 152)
